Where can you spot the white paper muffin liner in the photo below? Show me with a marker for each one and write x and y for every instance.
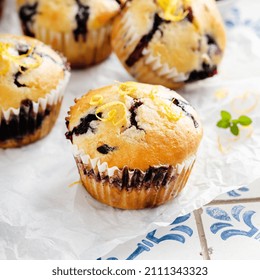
(22, 126)
(52, 98)
(131, 189)
(93, 50)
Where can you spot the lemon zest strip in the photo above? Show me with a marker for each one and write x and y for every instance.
(113, 112)
(8, 58)
(97, 99)
(74, 184)
(168, 110)
(173, 9)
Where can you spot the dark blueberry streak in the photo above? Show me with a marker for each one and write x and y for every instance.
(153, 177)
(105, 149)
(136, 179)
(84, 126)
(212, 42)
(135, 106)
(26, 123)
(81, 17)
(16, 77)
(190, 16)
(183, 105)
(137, 53)
(206, 72)
(26, 14)
(125, 178)
(22, 49)
(159, 175)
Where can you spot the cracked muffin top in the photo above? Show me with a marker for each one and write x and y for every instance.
(67, 15)
(135, 125)
(28, 70)
(181, 40)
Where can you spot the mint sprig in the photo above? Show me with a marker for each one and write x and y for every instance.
(233, 124)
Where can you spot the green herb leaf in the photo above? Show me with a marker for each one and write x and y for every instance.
(226, 115)
(233, 124)
(223, 124)
(244, 120)
(235, 121)
(234, 129)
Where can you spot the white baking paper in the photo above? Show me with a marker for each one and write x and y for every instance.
(43, 217)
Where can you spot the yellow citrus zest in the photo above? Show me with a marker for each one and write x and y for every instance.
(97, 99)
(23, 61)
(74, 184)
(221, 94)
(153, 93)
(168, 111)
(115, 114)
(4, 63)
(174, 10)
(35, 64)
(4, 66)
(128, 88)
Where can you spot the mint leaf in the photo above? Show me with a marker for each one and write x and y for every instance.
(226, 115)
(244, 120)
(233, 124)
(223, 124)
(234, 129)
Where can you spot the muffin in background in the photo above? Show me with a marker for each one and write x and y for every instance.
(169, 42)
(80, 29)
(32, 82)
(134, 144)
(1, 7)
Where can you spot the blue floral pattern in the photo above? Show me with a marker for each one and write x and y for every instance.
(234, 20)
(237, 218)
(178, 233)
(238, 192)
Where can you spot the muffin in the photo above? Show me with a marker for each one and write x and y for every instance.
(169, 42)
(32, 82)
(134, 144)
(80, 29)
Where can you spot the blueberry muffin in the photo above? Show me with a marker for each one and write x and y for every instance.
(134, 144)
(169, 42)
(80, 29)
(32, 82)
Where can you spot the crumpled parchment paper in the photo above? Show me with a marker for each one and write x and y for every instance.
(43, 217)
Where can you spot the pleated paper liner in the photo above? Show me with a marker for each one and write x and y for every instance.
(85, 51)
(132, 189)
(33, 120)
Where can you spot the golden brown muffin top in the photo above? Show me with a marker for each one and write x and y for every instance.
(135, 125)
(68, 15)
(28, 70)
(185, 35)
